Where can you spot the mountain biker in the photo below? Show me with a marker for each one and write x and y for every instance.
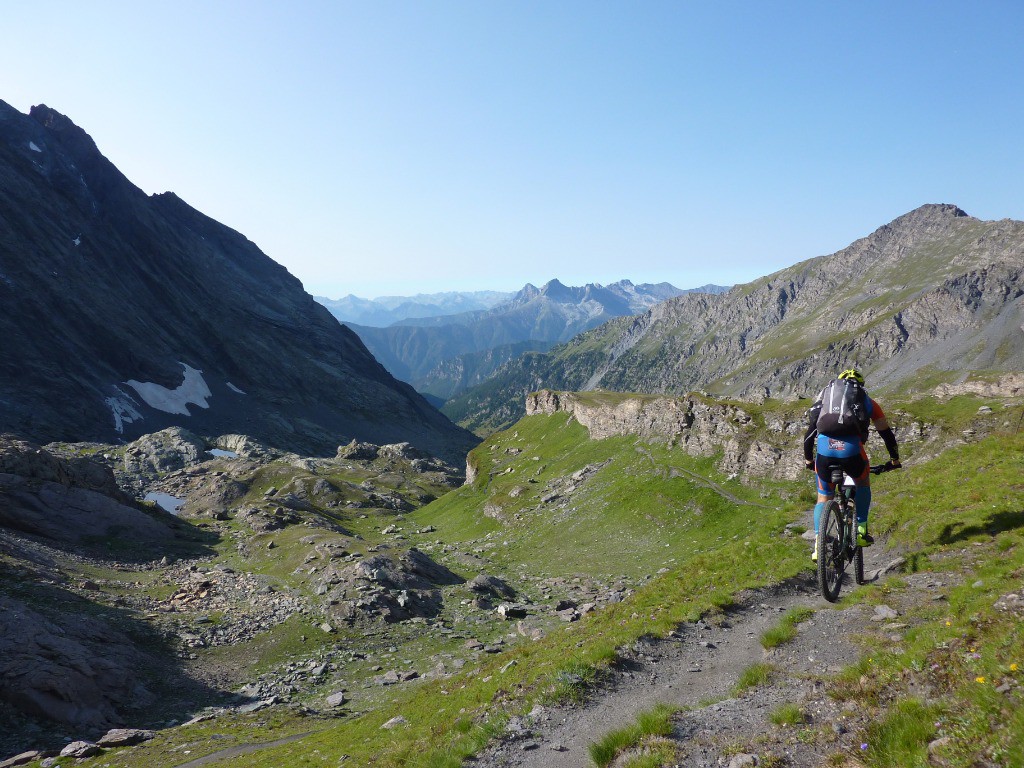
(845, 446)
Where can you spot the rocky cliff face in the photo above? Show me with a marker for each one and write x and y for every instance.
(928, 298)
(697, 426)
(125, 313)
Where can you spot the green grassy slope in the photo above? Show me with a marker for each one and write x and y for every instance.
(962, 510)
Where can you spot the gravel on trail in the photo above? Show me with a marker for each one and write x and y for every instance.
(696, 669)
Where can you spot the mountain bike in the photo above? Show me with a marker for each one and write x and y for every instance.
(837, 534)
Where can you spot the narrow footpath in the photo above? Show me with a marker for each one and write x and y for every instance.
(696, 669)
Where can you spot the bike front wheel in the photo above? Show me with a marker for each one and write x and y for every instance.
(831, 557)
(858, 565)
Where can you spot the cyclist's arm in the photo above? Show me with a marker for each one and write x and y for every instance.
(811, 433)
(885, 432)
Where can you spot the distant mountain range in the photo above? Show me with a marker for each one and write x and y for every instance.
(923, 300)
(125, 313)
(443, 355)
(388, 310)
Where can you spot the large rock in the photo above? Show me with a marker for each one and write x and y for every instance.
(56, 498)
(491, 585)
(82, 673)
(387, 587)
(164, 451)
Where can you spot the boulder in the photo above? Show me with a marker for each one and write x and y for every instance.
(81, 673)
(80, 749)
(356, 451)
(400, 451)
(124, 737)
(388, 587)
(164, 451)
(491, 585)
(22, 759)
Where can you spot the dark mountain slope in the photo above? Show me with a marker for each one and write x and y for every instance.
(929, 297)
(124, 314)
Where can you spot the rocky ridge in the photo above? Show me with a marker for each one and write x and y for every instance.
(751, 445)
(923, 300)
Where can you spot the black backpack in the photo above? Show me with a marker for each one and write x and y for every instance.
(844, 409)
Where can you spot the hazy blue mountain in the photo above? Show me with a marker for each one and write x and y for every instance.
(387, 310)
(439, 355)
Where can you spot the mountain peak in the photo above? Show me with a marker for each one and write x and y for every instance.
(63, 126)
(932, 212)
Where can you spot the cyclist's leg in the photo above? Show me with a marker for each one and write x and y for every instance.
(826, 489)
(860, 470)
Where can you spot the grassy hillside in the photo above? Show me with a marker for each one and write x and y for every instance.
(673, 546)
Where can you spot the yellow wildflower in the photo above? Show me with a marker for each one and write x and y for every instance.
(1013, 667)
(979, 679)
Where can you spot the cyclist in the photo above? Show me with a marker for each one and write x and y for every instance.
(841, 433)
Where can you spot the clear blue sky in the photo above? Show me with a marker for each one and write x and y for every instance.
(397, 147)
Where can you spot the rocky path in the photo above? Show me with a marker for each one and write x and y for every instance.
(696, 669)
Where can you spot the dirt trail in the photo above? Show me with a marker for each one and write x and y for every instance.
(700, 663)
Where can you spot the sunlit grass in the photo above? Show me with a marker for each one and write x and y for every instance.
(654, 722)
(786, 629)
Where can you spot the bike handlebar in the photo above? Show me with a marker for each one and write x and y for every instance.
(887, 467)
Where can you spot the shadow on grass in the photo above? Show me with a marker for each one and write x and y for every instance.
(997, 523)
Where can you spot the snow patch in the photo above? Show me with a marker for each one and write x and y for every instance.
(233, 388)
(123, 406)
(192, 390)
(165, 501)
(77, 240)
(222, 454)
(33, 147)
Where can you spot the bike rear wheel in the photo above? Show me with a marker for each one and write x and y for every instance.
(858, 565)
(831, 557)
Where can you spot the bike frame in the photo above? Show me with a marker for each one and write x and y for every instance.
(836, 551)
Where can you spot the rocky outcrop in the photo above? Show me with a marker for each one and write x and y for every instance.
(69, 501)
(164, 451)
(80, 673)
(386, 587)
(29, 461)
(1009, 386)
(695, 425)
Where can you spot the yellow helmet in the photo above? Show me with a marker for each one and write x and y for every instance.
(852, 374)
